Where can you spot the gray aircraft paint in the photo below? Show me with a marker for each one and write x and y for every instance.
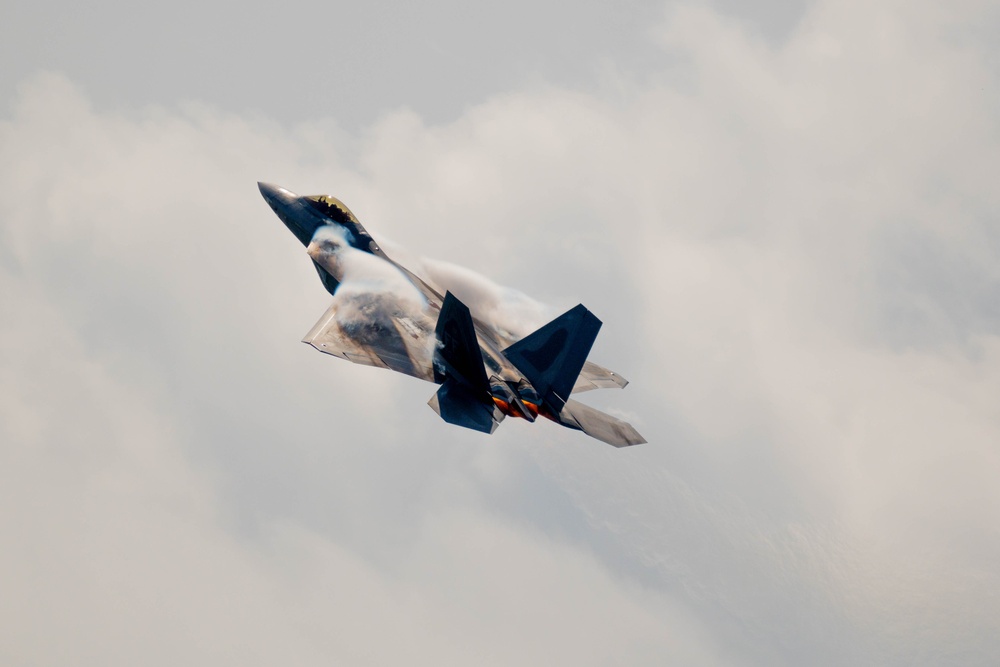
(384, 315)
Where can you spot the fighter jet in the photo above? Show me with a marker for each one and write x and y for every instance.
(386, 316)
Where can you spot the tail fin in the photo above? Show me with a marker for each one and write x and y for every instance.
(458, 354)
(552, 357)
(464, 398)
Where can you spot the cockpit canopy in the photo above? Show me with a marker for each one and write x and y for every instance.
(334, 209)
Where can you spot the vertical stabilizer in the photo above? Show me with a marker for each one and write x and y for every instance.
(458, 354)
(552, 357)
(464, 398)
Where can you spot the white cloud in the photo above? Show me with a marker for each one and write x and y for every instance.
(792, 248)
(155, 441)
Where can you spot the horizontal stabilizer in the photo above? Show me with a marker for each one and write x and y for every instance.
(552, 357)
(458, 405)
(597, 377)
(599, 425)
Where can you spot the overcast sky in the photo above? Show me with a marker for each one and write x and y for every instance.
(785, 213)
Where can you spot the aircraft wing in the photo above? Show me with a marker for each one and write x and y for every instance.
(396, 343)
(593, 376)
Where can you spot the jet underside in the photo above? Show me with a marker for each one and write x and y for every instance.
(384, 315)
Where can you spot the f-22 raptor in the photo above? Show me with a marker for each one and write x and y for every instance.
(386, 316)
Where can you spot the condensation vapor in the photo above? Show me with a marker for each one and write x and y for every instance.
(374, 301)
(509, 312)
(377, 308)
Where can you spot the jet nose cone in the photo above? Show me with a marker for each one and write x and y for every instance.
(270, 192)
(277, 198)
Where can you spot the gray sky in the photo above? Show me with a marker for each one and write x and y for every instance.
(348, 61)
(785, 214)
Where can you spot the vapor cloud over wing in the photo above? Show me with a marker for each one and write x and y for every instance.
(510, 312)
